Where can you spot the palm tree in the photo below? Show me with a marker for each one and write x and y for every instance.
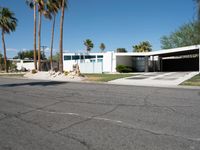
(63, 5)
(52, 7)
(121, 50)
(41, 10)
(102, 47)
(8, 24)
(143, 47)
(89, 45)
(32, 4)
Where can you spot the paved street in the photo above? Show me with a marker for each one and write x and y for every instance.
(42, 115)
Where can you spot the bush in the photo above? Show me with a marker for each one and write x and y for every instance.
(34, 71)
(124, 69)
(66, 73)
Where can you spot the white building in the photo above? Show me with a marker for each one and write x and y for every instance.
(178, 59)
(89, 62)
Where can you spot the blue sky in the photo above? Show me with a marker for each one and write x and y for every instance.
(117, 23)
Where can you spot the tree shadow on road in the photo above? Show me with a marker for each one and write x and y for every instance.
(42, 83)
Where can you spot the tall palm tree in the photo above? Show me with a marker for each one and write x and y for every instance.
(8, 24)
(52, 8)
(63, 4)
(32, 4)
(41, 11)
(89, 45)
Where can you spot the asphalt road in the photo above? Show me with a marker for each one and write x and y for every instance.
(42, 115)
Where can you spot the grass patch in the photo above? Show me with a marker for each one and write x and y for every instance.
(194, 81)
(105, 77)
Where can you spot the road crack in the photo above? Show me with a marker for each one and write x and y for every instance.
(87, 119)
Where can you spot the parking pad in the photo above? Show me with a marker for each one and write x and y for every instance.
(163, 79)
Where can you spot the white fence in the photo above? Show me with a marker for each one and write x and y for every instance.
(91, 67)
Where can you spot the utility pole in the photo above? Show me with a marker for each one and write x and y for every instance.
(43, 49)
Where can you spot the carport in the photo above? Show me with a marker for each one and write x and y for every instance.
(179, 59)
(168, 60)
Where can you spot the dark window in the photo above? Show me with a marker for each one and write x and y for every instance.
(92, 60)
(90, 56)
(75, 57)
(82, 57)
(67, 57)
(100, 56)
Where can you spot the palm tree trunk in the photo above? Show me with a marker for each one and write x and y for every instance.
(4, 48)
(61, 36)
(39, 41)
(34, 37)
(52, 39)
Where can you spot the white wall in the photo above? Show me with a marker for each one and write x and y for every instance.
(68, 65)
(91, 67)
(24, 64)
(107, 62)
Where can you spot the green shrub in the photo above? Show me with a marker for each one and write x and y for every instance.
(66, 73)
(124, 69)
(34, 71)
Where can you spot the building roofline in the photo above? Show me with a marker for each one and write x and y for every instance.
(160, 52)
(153, 53)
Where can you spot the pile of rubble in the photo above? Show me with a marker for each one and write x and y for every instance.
(73, 75)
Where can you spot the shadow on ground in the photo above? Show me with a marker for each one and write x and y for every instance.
(47, 83)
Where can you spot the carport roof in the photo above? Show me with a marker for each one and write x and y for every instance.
(165, 52)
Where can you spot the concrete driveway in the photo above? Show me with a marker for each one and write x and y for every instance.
(157, 79)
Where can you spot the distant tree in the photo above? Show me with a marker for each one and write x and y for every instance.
(28, 54)
(56, 57)
(186, 35)
(89, 45)
(102, 47)
(8, 24)
(143, 47)
(121, 50)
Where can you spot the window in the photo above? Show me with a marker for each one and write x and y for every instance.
(75, 57)
(92, 60)
(90, 56)
(82, 57)
(99, 56)
(67, 57)
(99, 60)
